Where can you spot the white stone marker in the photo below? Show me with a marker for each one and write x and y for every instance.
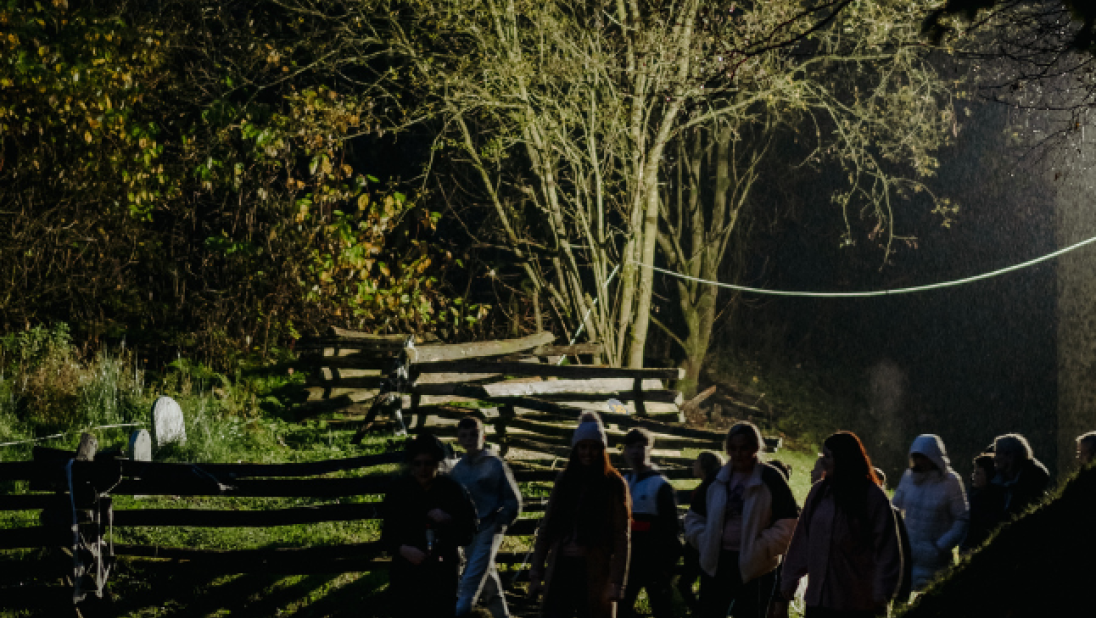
(167, 422)
(140, 446)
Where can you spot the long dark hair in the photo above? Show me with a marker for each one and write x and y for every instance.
(852, 474)
(582, 499)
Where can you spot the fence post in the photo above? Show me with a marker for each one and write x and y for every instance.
(506, 414)
(420, 416)
(637, 391)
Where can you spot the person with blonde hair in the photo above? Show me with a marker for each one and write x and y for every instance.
(741, 522)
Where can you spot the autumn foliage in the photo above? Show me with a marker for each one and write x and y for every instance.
(189, 174)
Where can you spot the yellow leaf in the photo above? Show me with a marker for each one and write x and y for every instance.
(87, 137)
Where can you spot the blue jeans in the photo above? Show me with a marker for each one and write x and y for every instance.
(480, 580)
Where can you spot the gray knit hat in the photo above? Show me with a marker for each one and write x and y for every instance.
(590, 428)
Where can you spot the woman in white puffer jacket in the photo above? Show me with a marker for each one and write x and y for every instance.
(931, 497)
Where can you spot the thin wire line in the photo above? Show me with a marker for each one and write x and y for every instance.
(920, 288)
(61, 435)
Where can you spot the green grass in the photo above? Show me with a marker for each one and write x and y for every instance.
(47, 388)
(142, 588)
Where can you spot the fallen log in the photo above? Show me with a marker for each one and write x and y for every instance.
(452, 352)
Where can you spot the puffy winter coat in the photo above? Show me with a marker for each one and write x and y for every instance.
(935, 509)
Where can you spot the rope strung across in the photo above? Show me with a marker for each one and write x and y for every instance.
(61, 435)
(920, 288)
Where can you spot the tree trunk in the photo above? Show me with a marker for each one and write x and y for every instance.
(699, 319)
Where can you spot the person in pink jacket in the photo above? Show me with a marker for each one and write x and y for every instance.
(847, 539)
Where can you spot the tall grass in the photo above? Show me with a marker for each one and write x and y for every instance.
(49, 386)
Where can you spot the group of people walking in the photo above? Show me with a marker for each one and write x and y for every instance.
(606, 536)
(428, 517)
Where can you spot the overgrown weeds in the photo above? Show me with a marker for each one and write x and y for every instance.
(51, 391)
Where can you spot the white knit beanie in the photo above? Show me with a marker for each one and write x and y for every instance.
(590, 428)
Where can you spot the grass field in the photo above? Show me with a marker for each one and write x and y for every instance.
(142, 589)
(237, 419)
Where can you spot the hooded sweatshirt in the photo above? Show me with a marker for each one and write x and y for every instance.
(935, 510)
(492, 487)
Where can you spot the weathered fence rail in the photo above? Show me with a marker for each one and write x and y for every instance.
(529, 405)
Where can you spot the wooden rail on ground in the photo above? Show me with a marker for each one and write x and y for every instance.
(530, 406)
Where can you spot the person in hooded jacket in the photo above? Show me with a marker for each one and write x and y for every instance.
(931, 498)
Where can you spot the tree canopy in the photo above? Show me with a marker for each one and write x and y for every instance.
(555, 123)
(191, 173)
(197, 171)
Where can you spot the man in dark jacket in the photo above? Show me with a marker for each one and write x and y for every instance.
(1023, 477)
(655, 544)
(425, 518)
(1086, 448)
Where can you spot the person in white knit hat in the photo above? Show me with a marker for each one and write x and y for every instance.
(580, 561)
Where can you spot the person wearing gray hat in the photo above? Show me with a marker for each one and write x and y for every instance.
(580, 561)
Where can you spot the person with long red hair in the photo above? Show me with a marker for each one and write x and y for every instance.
(847, 540)
(584, 538)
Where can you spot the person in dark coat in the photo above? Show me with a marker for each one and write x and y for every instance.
(580, 559)
(987, 504)
(655, 543)
(1023, 477)
(425, 518)
(1086, 448)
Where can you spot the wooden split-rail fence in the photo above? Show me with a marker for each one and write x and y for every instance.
(531, 408)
